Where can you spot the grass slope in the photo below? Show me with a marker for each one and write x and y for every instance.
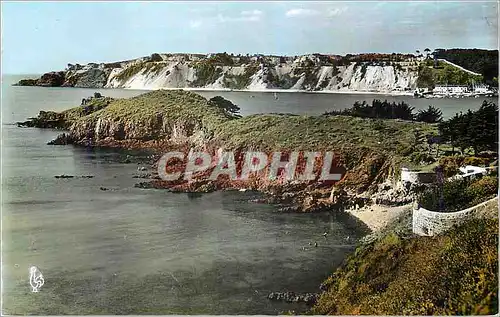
(444, 74)
(171, 105)
(454, 273)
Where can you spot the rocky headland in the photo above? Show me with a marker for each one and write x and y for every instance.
(370, 151)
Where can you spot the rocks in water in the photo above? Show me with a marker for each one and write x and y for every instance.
(146, 175)
(324, 286)
(103, 188)
(61, 139)
(145, 185)
(45, 119)
(52, 79)
(289, 209)
(258, 200)
(72, 176)
(291, 297)
(26, 82)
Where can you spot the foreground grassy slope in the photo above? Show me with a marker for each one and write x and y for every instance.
(455, 273)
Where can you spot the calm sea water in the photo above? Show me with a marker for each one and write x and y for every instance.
(131, 251)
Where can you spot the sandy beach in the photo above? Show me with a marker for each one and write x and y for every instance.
(376, 217)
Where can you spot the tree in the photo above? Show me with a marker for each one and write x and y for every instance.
(429, 115)
(427, 52)
(484, 128)
(155, 57)
(230, 110)
(474, 129)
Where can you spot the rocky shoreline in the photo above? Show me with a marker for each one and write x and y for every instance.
(291, 297)
(206, 125)
(167, 121)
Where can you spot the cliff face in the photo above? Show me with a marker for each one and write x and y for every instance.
(311, 72)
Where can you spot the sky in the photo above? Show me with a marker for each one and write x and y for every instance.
(39, 37)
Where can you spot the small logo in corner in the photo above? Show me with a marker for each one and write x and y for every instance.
(36, 279)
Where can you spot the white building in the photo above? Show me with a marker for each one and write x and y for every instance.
(470, 172)
(449, 90)
(480, 89)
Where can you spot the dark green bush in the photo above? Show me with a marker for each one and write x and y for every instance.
(458, 194)
(378, 109)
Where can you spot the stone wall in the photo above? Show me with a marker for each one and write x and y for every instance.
(430, 223)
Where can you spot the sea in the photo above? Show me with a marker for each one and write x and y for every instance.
(106, 247)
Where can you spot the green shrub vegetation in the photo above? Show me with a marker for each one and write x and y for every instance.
(130, 71)
(241, 81)
(458, 194)
(170, 105)
(378, 109)
(206, 74)
(484, 62)
(429, 76)
(429, 115)
(474, 129)
(452, 274)
(450, 164)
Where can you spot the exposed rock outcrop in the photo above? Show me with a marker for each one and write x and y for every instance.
(63, 120)
(52, 79)
(167, 121)
(291, 297)
(221, 71)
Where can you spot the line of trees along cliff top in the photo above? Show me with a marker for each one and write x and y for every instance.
(389, 110)
(476, 130)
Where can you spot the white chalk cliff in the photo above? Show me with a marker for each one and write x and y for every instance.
(221, 71)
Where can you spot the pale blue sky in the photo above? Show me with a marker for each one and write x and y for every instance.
(43, 36)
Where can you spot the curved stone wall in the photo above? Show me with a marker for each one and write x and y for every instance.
(429, 223)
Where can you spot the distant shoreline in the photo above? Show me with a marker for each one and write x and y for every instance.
(271, 90)
(274, 90)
